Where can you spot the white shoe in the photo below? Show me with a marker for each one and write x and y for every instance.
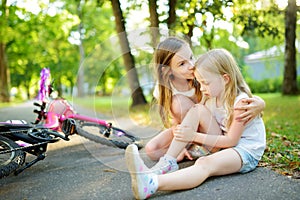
(166, 164)
(144, 183)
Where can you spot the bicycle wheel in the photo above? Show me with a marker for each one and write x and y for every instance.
(10, 161)
(117, 138)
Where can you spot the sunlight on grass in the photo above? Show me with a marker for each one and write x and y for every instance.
(145, 115)
(281, 117)
(10, 103)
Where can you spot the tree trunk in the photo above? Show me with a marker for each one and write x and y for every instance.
(137, 95)
(4, 72)
(172, 14)
(4, 76)
(154, 22)
(290, 69)
(80, 74)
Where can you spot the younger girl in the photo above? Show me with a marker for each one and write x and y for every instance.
(177, 91)
(243, 145)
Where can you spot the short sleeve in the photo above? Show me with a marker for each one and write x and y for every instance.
(156, 91)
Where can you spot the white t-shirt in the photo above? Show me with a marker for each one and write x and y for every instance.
(253, 138)
(190, 93)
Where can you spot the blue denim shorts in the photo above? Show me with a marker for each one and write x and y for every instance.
(249, 162)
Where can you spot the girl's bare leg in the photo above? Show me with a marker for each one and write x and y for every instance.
(200, 118)
(223, 162)
(158, 146)
(180, 107)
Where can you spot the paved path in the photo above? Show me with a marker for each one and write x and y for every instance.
(80, 169)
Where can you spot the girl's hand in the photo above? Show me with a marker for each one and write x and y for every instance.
(184, 154)
(184, 133)
(253, 107)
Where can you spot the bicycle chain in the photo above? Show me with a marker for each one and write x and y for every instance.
(20, 148)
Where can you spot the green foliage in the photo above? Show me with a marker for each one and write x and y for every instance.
(37, 40)
(273, 85)
(259, 20)
(265, 86)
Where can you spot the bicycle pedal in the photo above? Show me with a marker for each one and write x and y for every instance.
(69, 127)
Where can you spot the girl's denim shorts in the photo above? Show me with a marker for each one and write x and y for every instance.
(249, 162)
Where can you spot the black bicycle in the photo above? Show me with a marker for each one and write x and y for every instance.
(17, 138)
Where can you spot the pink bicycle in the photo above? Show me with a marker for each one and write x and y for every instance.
(58, 114)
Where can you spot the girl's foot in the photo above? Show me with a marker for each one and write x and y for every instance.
(166, 164)
(144, 183)
(197, 151)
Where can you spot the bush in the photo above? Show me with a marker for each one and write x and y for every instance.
(265, 86)
(268, 85)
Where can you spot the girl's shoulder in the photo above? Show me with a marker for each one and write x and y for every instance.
(241, 95)
(189, 93)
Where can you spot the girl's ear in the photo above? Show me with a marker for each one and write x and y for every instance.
(226, 78)
(166, 68)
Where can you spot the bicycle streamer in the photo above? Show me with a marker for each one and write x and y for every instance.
(20, 148)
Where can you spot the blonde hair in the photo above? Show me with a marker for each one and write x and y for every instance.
(163, 55)
(221, 61)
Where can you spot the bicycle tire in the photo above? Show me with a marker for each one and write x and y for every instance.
(11, 161)
(118, 138)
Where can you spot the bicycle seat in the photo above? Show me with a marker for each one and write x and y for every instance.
(15, 124)
(16, 121)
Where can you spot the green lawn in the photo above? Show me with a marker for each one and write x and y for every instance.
(282, 117)
(10, 103)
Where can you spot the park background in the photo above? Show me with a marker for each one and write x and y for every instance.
(100, 51)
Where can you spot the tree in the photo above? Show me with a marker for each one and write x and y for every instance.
(290, 68)
(154, 22)
(80, 75)
(261, 22)
(172, 14)
(4, 72)
(137, 95)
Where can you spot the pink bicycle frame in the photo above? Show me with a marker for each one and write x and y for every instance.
(60, 110)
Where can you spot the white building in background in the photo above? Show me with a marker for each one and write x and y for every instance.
(268, 63)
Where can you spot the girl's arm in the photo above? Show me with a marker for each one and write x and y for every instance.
(188, 134)
(252, 108)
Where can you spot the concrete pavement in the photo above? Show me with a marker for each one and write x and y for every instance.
(81, 169)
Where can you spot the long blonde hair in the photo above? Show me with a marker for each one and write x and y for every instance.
(163, 55)
(221, 61)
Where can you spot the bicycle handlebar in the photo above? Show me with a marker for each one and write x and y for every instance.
(41, 113)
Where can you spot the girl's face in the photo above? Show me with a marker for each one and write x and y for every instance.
(182, 64)
(212, 85)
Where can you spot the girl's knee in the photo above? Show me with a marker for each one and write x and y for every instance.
(201, 108)
(180, 106)
(200, 160)
(203, 165)
(203, 161)
(149, 147)
(151, 150)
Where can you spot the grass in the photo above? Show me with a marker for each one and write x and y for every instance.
(281, 117)
(13, 103)
(143, 114)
